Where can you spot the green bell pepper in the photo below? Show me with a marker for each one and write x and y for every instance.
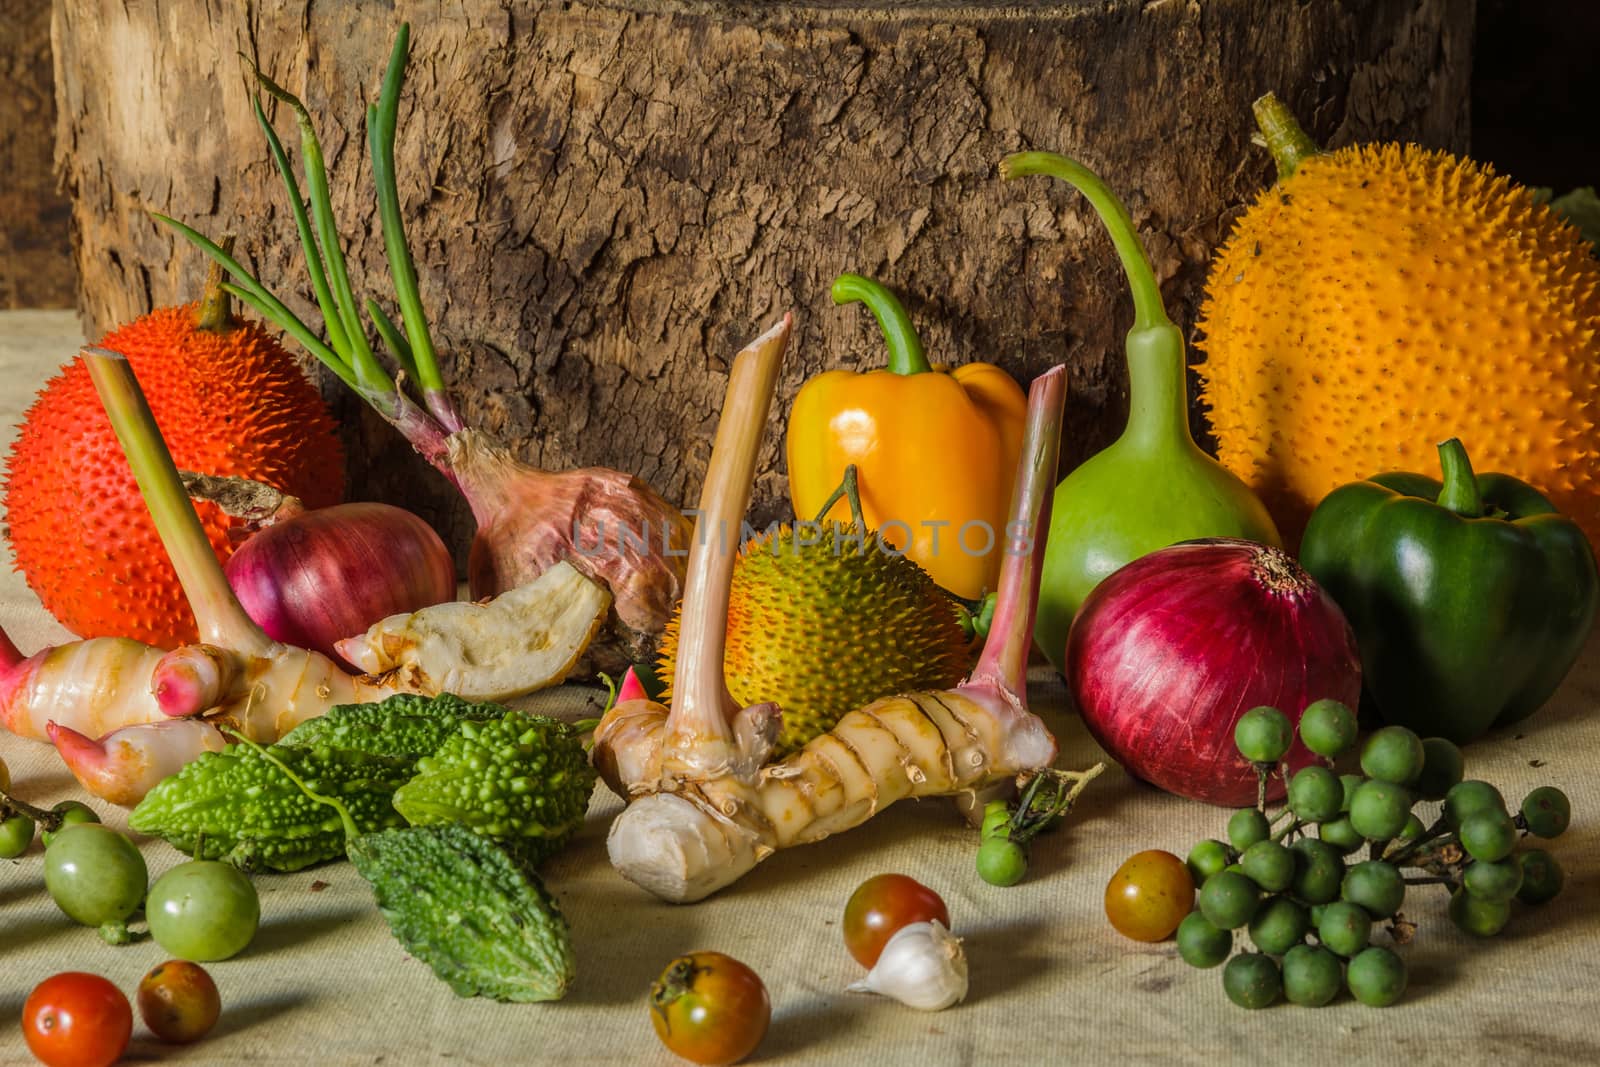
(1470, 600)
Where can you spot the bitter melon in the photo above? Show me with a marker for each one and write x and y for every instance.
(403, 725)
(460, 903)
(523, 779)
(237, 806)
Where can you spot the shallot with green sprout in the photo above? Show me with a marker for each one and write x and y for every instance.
(528, 519)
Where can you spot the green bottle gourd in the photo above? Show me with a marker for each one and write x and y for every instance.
(1153, 486)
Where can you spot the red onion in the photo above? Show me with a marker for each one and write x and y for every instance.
(318, 576)
(1167, 653)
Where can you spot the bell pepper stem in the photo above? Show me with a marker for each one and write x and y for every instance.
(1460, 493)
(905, 347)
(1289, 144)
(850, 489)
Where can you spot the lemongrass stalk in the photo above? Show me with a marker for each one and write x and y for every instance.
(700, 740)
(319, 275)
(381, 120)
(221, 619)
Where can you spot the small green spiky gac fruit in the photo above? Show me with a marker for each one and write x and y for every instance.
(825, 626)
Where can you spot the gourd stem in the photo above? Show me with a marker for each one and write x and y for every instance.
(221, 619)
(905, 347)
(1148, 310)
(850, 489)
(1289, 144)
(216, 313)
(1460, 493)
(1158, 411)
(1004, 661)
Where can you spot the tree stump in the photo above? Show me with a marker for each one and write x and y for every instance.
(607, 198)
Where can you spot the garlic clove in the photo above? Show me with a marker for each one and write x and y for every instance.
(922, 966)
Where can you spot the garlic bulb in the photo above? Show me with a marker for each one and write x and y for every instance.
(921, 966)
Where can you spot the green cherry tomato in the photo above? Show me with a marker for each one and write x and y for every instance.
(1344, 928)
(1493, 881)
(1380, 809)
(1328, 728)
(203, 911)
(1312, 976)
(1229, 900)
(1442, 766)
(94, 874)
(1001, 861)
(1547, 811)
(1149, 895)
(1263, 735)
(1315, 794)
(1477, 916)
(1377, 977)
(1468, 798)
(1278, 925)
(16, 834)
(73, 813)
(1488, 835)
(1207, 858)
(1269, 865)
(1251, 980)
(1376, 886)
(1542, 876)
(1247, 826)
(1201, 942)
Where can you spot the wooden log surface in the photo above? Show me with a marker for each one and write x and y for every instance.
(35, 270)
(607, 199)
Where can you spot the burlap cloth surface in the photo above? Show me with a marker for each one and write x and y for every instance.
(325, 983)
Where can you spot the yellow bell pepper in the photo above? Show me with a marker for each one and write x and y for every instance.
(936, 450)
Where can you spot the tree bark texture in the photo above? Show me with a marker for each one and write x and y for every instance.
(35, 269)
(607, 199)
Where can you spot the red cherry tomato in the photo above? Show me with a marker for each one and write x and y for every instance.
(883, 904)
(77, 1020)
(709, 1008)
(1149, 895)
(178, 1001)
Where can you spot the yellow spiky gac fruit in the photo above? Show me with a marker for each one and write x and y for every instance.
(228, 400)
(829, 625)
(1380, 299)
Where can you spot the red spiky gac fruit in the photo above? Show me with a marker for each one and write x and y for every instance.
(228, 403)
